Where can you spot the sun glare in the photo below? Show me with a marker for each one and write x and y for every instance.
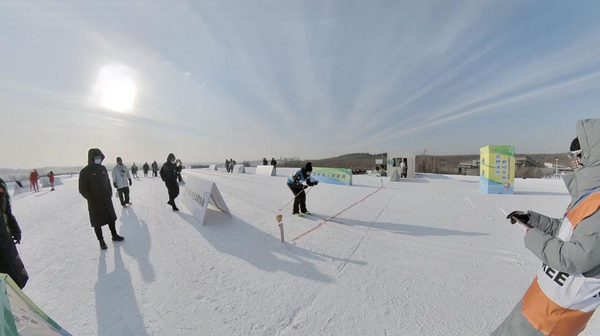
(115, 89)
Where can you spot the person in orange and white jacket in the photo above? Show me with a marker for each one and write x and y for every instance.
(566, 291)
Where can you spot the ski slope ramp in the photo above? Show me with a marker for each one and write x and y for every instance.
(427, 256)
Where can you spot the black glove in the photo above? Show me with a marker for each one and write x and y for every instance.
(315, 183)
(115, 184)
(519, 216)
(305, 187)
(17, 238)
(129, 182)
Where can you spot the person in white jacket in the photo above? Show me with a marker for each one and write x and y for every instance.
(122, 181)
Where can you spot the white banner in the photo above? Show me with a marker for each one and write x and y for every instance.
(212, 167)
(239, 169)
(265, 170)
(198, 193)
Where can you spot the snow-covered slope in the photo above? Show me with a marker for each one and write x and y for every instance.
(429, 256)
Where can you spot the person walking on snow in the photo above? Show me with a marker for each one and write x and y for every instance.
(94, 186)
(134, 170)
(274, 164)
(154, 169)
(566, 290)
(51, 179)
(295, 183)
(33, 181)
(10, 235)
(122, 181)
(168, 173)
(146, 168)
(403, 169)
(227, 165)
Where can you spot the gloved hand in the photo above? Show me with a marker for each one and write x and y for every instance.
(130, 182)
(519, 216)
(315, 183)
(305, 187)
(115, 185)
(17, 238)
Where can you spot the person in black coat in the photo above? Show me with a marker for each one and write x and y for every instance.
(94, 186)
(154, 169)
(168, 173)
(10, 234)
(146, 168)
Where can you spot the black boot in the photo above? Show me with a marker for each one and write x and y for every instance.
(103, 245)
(116, 237)
(175, 207)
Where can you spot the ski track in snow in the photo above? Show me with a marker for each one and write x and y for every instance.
(391, 265)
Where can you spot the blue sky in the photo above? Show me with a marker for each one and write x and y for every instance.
(249, 79)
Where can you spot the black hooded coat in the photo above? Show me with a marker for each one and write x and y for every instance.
(10, 261)
(168, 173)
(94, 186)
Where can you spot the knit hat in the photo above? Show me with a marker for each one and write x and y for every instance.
(308, 167)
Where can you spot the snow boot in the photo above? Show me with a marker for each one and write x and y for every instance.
(175, 207)
(117, 238)
(103, 245)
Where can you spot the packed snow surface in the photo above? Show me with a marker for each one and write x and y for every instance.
(426, 256)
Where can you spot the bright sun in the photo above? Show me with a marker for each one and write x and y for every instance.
(115, 90)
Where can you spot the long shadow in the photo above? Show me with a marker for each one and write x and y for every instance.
(405, 229)
(542, 193)
(236, 237)
(138, 242)
(117, 310)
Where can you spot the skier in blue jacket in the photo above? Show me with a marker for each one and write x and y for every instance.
(296, 184)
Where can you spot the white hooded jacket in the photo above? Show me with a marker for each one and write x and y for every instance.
(121, 176)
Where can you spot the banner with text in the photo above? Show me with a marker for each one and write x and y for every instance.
(198, 193)
(340, 176)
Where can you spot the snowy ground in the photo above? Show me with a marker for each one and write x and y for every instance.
(429, 256)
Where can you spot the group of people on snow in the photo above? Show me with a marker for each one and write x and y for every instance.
(560, 301)
(95, 187)
(229, 164)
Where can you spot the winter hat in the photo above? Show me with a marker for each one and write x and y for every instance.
(119, 159)
(308, 167)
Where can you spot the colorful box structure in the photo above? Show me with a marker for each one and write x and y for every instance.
(497, 170)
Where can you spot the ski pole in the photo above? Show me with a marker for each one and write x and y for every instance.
(288, 203)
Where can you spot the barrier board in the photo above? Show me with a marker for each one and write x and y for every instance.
(198, 193)
(265, 170)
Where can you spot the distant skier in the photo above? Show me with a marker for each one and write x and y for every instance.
(146, 168)
(178, 169)
(168, 173)
(154, 169)
(231, 165)
(227, 165)
(566, 292)
(51, 179)
(295, 183)
(274, 164)
(10, 234)
(122, 181)
(94, 186)
(265, 162)
(33, 181)
(134, 170)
